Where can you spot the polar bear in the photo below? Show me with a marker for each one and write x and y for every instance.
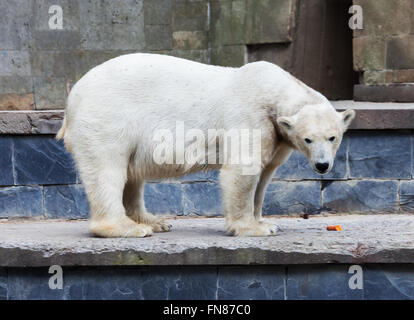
(115, 109)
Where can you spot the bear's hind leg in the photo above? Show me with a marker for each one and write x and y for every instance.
(134, 203)
(104, 184)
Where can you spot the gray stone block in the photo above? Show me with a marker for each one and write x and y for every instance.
(407, 196)
(266, 21)
(157, 12)
(220, 23)
(190, 16)
(6, 162)
(229, 56)
(70, 9)
(361, 196)
(158, 37)
(251, 283)
(15, 24)
(54, 63)
(380, 154)
(65, 202)
(21, 202)
(251, 22)
(298, 167)
(71, 65)
(50, 93)
(16, 84)
(320, 282)
(202, 198)
(163, 198)
(190, 40)
(15, 63)
(400, 51)
(42, 160)
(283, 197)
(389, 282)
(184, 283)
(56, 40)
(112, 25)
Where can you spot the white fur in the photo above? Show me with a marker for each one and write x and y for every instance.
(114, 110)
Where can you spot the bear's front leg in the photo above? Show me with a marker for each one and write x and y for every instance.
(238, 193)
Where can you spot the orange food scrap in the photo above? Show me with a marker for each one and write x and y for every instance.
(334, 228)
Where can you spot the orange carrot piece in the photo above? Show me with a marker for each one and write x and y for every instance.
(334, 228)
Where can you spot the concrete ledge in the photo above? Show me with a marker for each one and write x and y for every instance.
(370, 116)
(202, 241)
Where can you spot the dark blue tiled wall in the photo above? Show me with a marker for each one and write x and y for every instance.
(372, 172)
(21, 201)
(292, 282)
(6, 161)
(163, 198)
(320, 283)
(360, 196)
(389, 282)
(290, 197)
(258, 283)
(65, 201)
(380, 154)
(407, 196)
(40, 160)
(3, 284)
(202, 198)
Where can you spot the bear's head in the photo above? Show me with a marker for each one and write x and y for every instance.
(316, 131)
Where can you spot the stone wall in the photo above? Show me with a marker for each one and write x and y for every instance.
(39, 65)
(384, 50)
(306, 282)
(373, 172)
(234, 24)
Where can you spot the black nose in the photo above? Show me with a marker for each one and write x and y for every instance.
(322, 167)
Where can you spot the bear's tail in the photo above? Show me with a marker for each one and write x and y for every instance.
(61, 133)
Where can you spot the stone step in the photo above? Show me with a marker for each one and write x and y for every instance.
(202, 241)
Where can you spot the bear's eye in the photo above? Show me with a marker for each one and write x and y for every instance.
(332, 139)
(308, 141)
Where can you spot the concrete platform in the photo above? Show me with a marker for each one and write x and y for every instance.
(202, 241)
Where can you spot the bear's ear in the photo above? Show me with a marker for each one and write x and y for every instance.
(347, 117)
(285, 123)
